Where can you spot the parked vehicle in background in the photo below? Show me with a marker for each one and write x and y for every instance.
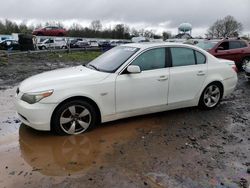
(114, 43)
(104, 44)
(128, 80)
(73, 41)
(53, 43)
(5, 37)
(93, 43)
(247, 71)
(80, 44)
(118, 42)
(50, 31)
(9, 44)
(233, 49)
(139, 39)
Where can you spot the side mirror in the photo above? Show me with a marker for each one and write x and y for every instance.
(133, 69)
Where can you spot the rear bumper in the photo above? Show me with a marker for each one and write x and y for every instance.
(229, 85)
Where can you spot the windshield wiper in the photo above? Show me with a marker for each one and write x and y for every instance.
(92, 67)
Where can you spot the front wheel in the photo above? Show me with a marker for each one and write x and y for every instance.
(211, 96)
(74, 117)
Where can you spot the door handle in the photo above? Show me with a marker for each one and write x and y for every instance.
(201, 73)
(162, 78)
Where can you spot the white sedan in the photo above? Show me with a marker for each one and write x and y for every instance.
(128, 80)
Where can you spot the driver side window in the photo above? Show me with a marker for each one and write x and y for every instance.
(151, 59)
(224, 46)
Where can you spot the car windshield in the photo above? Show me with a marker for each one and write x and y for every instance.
(206, 45)
(111, 60)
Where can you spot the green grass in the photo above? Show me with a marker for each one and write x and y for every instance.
(74, 56)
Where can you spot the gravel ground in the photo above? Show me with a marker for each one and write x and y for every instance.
(186, 148)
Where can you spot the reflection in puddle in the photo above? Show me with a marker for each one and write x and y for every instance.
(63, 155)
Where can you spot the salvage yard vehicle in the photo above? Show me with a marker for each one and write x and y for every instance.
(104, 44)
(73, 41)
(128, 80)
(52, 43)
(233, 49)
(93, 43)
(9, 44)
(247, 71)
(80, 44)
(50, 31)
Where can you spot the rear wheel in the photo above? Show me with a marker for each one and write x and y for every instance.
(245, 61)
(74, 117)
(211, 96)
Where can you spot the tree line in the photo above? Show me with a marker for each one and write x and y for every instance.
(225, 27)
(95, 30)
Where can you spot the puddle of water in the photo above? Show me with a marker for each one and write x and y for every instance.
(44, 155)
(61, 155)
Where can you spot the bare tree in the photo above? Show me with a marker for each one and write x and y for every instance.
(166, 35)
(96, 25)
(226, 27)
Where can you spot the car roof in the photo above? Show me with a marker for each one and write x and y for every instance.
(145, 45)
(8, 40)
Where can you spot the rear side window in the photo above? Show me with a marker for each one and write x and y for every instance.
(243, 44)
(151, 59)
(234, 45)
(182, 57)
(200, 58)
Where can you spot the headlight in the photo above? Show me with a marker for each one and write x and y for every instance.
(32, 98)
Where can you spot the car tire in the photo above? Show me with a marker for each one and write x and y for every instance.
(43, 48)
(74, 117)
(211, 96)
(245, 61)
(39, 34)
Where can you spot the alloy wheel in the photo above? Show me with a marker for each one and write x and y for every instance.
(212, 96)
(75, 119)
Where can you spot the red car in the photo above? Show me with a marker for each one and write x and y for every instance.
(50, 31)
(233, 49)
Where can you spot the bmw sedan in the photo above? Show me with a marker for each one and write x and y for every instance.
(128, 80)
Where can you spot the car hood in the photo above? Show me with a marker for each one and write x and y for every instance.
(62, 78)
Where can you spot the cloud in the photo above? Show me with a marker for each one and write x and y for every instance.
(167, 14)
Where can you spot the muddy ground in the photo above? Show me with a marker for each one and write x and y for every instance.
(187, 148)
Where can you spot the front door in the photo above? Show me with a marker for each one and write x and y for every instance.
(146, 89)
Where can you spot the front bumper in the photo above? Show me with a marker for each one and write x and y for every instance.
(37, 116)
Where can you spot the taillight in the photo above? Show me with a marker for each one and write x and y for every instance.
(235, 68)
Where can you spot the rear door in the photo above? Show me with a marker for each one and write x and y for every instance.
(232, 50)
(187, 74)
(237, 50)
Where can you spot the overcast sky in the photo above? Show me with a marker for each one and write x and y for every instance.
(150, 14)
